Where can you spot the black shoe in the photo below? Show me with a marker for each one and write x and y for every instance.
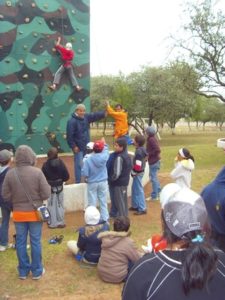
(133, 209)
(142, 212)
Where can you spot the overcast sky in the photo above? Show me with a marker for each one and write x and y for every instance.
(126, 34)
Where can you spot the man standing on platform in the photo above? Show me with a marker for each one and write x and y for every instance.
(78, 135)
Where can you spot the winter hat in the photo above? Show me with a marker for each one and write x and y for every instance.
(90, 146)
(5, 155)
(91, 215)
(98, 146)
(80, 106)
(150, 130)
(183, 209)
(69, 46)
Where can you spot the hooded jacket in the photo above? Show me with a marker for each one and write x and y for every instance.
(78, 129)
(32, 178)
(214, 197)
(88, 241)
(117, 250)
(153, 149)
(94, 168)
(182, 172)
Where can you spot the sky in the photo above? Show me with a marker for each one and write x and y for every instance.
(126, 34)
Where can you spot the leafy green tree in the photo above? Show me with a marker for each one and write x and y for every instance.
(203, 39)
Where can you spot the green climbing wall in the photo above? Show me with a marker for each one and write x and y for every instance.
(30, 113)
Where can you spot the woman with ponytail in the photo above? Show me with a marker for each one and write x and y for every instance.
(184, 165)
(189, 268)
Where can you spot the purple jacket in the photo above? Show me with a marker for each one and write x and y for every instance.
(153, 149)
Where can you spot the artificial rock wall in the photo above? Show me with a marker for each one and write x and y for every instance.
(30, 113)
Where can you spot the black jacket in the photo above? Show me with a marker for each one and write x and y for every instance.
(119, 167)
(157, 276)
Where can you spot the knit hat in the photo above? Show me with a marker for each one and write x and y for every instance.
(98, 146)
(80, 106)
(90, 146)
(69, 46)
(91, 215)
(5, 156)
(183, 209)
(150, 130)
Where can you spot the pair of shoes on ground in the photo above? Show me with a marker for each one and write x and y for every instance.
(4, 248)
(56, 239)
(34, 277)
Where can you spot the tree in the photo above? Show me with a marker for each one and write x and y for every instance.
(203, 39)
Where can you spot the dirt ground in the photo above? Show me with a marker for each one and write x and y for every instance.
(58, 272)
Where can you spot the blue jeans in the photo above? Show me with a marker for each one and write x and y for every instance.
(153, 171)
(138, 196)
(98, 191)
(25, 266)
(4, 230)
(78, 162)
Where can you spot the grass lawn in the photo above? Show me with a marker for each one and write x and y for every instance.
(67, 279)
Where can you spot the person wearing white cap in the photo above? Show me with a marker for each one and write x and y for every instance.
(88, 247)
(189, 268)
(67, 55)
(184, 165)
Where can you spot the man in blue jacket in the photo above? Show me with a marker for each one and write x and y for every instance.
(78, 135)
(214, 197)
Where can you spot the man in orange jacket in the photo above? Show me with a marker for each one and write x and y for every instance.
(121, 123)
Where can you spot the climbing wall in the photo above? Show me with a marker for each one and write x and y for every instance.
(30, 113)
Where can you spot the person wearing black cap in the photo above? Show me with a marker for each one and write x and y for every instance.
(189, 268)
(6, 206)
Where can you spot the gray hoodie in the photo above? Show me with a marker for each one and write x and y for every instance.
(32, 178)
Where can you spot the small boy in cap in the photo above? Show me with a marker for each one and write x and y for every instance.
(95, 172)
(88, 247)
(6, 207)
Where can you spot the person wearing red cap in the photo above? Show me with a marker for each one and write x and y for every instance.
(95, 172)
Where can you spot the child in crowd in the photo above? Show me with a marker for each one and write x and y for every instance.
(88, 247)
(119, 167)
(153, 150)
(118, 252)
(138, 196)
(6, 207)
(95, 172)
(56, 174)
(89, 151)
(189, 267)
(184, 165)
